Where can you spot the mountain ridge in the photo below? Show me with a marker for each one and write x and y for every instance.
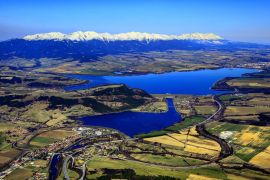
(89, 48)
(139, 36)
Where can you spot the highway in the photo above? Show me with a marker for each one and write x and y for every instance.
(65, 166)
(220, 108)
(83, 169)
(70, 158)
(210, 118)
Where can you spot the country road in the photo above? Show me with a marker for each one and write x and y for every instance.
(226, 150)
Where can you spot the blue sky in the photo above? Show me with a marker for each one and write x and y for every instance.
(241, 20)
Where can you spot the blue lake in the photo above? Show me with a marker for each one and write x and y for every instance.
(132, 123)
(191, 82)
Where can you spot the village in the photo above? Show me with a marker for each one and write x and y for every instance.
(67, 145)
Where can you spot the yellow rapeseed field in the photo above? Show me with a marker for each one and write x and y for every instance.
(198, 177)
(165, 140)
(202, 142)
(262, 159)
(246, 138)
(191, 131)
(191, 142)
(240, 110)
(179, 137)
(201, 150)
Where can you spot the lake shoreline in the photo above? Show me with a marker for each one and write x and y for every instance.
(199, 82)
(145, 121)
(202, 81)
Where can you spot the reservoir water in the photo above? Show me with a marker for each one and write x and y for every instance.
(190, 82)
(53, 170)
(132, 123)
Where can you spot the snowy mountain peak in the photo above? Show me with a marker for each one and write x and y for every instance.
(91, 35)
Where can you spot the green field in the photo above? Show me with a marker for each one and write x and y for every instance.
(41, 141)
(167, 159)
(187, 122)
(217, 127)
(20, 173)
(229, 97)
(150, 170)
(205, 110)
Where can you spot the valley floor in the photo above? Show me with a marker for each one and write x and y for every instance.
(221, 137)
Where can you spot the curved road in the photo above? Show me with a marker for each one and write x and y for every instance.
(226, 150)
(201, 130)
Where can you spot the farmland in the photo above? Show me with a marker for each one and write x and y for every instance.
(50, 137)
(262, 159)
(190, 142)
(223, 136)
(144, 171)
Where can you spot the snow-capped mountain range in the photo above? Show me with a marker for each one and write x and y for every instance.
(88, 46)
(91, 35)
